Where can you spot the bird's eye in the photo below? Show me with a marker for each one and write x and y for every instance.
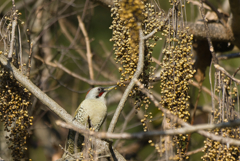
(99, 89)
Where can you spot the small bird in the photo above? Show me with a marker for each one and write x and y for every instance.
(91, 113)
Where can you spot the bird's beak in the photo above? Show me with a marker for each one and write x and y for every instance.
(107, 89)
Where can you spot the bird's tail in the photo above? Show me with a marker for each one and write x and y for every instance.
(73, 144)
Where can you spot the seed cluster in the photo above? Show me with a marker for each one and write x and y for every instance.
(126, 14)
(224, 112)
(126, 38)
(14, 103)
(176, 71)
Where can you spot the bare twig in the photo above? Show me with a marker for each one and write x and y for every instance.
(140, 135)
(89, 53)
(20, 50)
(29, 60)
(14, 24)
(156, 61)
(126, 120)
(66, 33)
(228, 56)
(91, 82)
(75, 75)
(218, 67)
(204, 89)
(150, 34)
(108, 53)
(131, 84)
(45, 62)
(195, 151)
(67, 153)
(215, 10)
(197, 3)
(81, 52)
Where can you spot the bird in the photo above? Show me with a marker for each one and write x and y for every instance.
(91, 113)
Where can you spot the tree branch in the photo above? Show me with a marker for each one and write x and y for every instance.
(218, 67)
(131, 84)
(141, 135)
(180, 121)
(45, 99)
(89, 53)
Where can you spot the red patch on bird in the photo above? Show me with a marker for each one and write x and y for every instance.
(100, 94)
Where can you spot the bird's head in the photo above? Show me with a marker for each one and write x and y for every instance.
(98, 92)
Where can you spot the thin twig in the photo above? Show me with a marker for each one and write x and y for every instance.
(195, 151)
(29, 60)
(91, 82)
(20, 56)
(197, 3)
(75, 75)
(228, 56)
(82, 54)
(218, 67)
(66, 33)
(215, 10)
(108, 53)
(14, 24)
(156, 61)
(67, 153)
(126, 120)
(89, 53)
(131, 84)
(204, 89)
(45, 62)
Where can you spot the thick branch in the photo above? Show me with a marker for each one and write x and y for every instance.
(217, 32)
(45, 99)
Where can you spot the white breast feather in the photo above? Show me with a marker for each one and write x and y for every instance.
(95, 109)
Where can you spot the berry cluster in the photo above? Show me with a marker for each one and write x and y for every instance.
(223, 112)
(14, 103)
